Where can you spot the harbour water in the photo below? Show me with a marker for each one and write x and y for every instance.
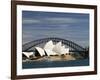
(50, 64)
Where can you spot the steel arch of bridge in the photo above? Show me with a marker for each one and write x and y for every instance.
(69, 43)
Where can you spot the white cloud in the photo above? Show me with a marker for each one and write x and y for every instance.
(65, 20)
(30, 21)
(61, 20)
(53, 20)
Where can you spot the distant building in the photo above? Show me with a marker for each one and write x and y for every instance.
(48, 50)
(51, 49)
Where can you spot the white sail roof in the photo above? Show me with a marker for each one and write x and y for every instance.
(64, 50)
(67, 50)
(27, 54)
(57, 48)
(40, 50)
(49, 45)
(50, 52)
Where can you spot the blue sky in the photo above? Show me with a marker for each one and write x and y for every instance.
(70, 26)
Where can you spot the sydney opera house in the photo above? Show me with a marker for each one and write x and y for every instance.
(49, 49)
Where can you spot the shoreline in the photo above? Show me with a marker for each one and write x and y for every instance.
(52, 58)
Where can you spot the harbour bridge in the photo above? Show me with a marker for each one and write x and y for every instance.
(74, 47)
